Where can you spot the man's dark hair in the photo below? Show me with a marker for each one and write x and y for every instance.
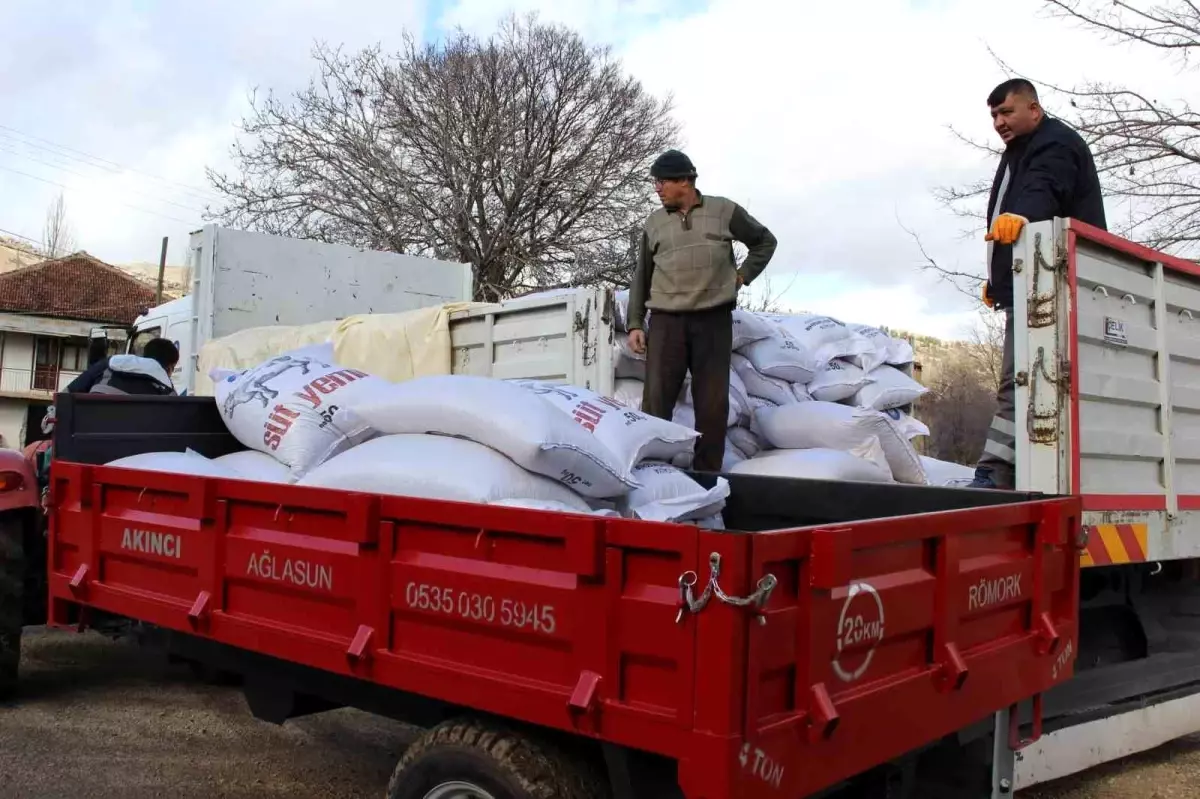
(163, 351)
(1012, 86)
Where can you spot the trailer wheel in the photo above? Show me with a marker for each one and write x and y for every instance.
(468, 759)
(12, 583)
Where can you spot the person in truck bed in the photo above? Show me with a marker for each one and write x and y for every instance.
(686, 274)
(1046, 171)
(148, 373)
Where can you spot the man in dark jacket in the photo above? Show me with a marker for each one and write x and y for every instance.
(149, 373)
(687, 275)
(1046, 171)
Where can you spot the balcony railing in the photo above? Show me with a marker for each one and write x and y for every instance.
(34, 381)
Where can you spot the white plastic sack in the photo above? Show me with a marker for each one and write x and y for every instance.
(297, 407)
(189, 463)
(632, 435)
(436, 467)
(909, 427)
(823, 338)
(800, 392)
(550, 505)
(746, 442)
(832, 426)
(889, 388)
(254, 465)
(881, 346)
(783, 357)
(946, 473)
(837, 380)
(814, 464)
(732, 457)
(749, 327)
(668, 495)
(525, 427)
(629, 392)
(900, 353)
(777, 391)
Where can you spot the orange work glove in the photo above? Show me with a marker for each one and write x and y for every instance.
(1006, 228)
(986, 295)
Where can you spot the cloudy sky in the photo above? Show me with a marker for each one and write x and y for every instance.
(829, 121)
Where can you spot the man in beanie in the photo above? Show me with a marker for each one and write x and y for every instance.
(1046, 171)
(686, 274)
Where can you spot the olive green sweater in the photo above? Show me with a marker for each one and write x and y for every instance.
(686, 260)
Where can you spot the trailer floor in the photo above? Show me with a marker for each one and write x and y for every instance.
(98, 718)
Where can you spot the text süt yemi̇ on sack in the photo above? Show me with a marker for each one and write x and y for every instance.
(296, 408)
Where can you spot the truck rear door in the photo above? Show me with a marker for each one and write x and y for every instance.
(883, 636)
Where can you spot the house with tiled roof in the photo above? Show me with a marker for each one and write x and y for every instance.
(47, 313)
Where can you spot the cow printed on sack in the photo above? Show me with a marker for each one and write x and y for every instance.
(286, 408)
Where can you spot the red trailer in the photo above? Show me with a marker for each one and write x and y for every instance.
(831, 636)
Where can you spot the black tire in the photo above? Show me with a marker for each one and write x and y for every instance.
(12, 588)
(504, 764)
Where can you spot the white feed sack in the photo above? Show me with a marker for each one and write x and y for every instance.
(629, 392)
(746, 441)
(823, 338)
(778, 392)
(881, 347)
(626, 362)
(838, 380)
(739, 400)
(189, 463)
(685, 415)
(814, 464)
(254, 465)
(749, 328)
(297, 407)
(783, 357)
(909, 427)
(888, 388)
(945, 473)
(437, 467)
(550, 505)
(502, 415)
(668, 495)
(632, 435)
(832, 426)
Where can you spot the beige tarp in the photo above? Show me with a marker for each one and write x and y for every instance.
(395, 346)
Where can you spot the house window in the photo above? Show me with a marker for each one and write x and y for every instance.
(74, 357)
(47, 355)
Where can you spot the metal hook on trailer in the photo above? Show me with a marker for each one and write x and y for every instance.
(757, 600)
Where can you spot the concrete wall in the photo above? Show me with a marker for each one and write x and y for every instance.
(12, 422)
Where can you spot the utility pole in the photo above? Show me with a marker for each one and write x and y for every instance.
(162, 270)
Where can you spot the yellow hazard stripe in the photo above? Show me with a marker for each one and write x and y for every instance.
(1115, 544)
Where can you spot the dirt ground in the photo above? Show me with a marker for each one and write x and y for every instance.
(99, 719)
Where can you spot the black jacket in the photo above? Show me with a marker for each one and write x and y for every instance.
(123, 374)
(1053, 174)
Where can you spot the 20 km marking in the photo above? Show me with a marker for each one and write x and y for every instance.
(468, 605)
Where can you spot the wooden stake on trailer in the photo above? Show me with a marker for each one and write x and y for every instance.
(162, 271)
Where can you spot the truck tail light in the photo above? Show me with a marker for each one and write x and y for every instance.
(11, 481)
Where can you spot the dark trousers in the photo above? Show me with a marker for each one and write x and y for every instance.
(700, 342)
(999, 450)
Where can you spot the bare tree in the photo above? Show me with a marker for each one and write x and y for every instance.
(57, 237)
(525, 154)
(1147, 148)
(958, 410)
(985, 348)
(760, 297)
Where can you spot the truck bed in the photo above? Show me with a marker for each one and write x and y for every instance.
(898, 614)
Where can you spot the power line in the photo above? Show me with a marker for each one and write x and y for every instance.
(118, 202)
(92, 177)
(15, 234)
(110, 164)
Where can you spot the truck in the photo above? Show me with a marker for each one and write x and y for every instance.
(243, 279)
(1105, 350)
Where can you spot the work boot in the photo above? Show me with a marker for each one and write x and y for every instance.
(983, 479)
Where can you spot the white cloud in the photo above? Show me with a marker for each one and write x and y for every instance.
(827, 120)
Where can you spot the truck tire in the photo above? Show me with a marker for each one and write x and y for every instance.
(12, 584)
(470, 759)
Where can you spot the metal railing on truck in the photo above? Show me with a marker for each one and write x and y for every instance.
(898, 614)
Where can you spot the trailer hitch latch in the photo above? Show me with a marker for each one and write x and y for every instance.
(690, 603)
